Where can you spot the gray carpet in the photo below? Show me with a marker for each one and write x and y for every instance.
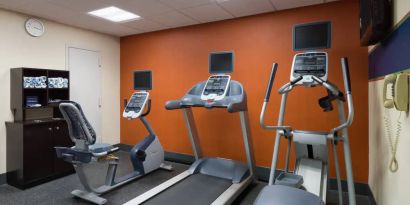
(58, 191)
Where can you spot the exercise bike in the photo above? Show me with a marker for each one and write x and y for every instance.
(146, 156)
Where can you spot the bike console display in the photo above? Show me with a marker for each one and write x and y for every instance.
(216, 87)
(136, 105)
(309, 64)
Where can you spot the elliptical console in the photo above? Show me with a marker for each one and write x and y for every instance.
(309, 64)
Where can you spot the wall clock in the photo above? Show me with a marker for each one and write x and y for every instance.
(34, 27)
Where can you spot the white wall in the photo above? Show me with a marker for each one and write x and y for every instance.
(400, 9)
(388, 188)
(18, 49)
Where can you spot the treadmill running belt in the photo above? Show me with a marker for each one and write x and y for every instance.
(196, 189)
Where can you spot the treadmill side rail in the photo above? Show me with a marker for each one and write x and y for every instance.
(233, 192)
(158, 189)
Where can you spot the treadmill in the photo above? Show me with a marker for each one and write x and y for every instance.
(208, 180)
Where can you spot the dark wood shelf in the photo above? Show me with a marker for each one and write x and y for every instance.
(58, 89)
(35, 131)
(41, 107)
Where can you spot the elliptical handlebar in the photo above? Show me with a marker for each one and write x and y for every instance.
(346, 74)
(288, 86)
(266, 100)
(327, 85)
(350, 108)
(270, 83)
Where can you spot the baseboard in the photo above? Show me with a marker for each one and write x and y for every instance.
(262, 173)
(3, 178)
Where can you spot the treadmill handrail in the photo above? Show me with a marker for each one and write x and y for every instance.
(234, 100)
(173, 104)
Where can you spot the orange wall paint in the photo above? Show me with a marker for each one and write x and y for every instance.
(179, 59)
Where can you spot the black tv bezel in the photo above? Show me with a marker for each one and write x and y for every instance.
(329, 34)
(221, 52)
(142, 71)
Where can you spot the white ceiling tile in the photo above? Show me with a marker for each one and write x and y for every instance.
(174, 19)
(117, 30)
(9, 4)
(207, 13)
(181, 4)
(145, 25)
(41, 8)
(80, 5)
(100, 25)
(287, 4)
(156, 14)
(143, 8)
(246, 7)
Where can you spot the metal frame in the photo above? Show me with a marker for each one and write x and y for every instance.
(247, 141)
(229, 195)
(282, 130)
(193, 132)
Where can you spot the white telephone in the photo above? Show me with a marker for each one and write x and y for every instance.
(398, 98)
(399, 86)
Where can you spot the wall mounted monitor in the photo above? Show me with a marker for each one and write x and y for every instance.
(221, 62)
(143, 80)
(312, 36)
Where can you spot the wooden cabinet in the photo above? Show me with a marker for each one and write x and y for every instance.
(37, 151)
(31, 138)
(31, 158)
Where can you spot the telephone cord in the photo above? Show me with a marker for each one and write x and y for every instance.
(393, 142)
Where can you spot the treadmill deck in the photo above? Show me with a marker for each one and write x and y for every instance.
(196, 189)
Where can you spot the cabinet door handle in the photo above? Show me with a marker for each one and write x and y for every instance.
(57, 128)
(50, 129)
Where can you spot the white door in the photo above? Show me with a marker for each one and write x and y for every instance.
(85, 85)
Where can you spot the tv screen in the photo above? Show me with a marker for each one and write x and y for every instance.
(312, 36)
(143, 80)
(221, 62)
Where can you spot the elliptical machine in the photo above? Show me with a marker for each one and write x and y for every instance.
(308, 182)
(146, 156)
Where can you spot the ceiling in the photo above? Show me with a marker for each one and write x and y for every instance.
(156, 14)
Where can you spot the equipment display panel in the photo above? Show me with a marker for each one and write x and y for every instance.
(312, 36)
(309, 64)
(143, 80)
(221, 62)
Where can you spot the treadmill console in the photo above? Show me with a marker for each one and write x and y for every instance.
(136, 105)
(307, 65)
(216, 87)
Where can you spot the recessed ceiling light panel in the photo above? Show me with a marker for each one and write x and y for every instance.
(114, 14)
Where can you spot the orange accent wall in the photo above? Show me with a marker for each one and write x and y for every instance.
(179, 59)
